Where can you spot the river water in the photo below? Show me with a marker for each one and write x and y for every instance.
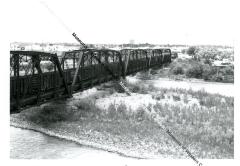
(226, 89)
(27, 144)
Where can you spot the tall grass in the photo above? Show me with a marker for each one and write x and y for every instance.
(196, 118)
(208, 121)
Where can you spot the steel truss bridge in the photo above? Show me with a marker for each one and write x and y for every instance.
(38, 77)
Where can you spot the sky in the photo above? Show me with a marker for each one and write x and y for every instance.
(119, 21)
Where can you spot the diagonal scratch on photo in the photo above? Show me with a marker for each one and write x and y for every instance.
(123, 82)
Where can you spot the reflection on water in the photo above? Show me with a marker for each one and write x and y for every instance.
(27, 144)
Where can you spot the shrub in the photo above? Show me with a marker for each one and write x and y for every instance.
(194, 71)
(83, 105)
(140, 88)
(208, 72)
(192, 50)
(111, 112)
(178, 70)
(86, 108)
(140, 114)
(121, 112)
(50, 114)
(176, 97)
(207, 61)
(218, 77)
(136, 89)
(227, 70)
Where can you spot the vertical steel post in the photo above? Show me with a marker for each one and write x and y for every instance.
(74, 61)
(150, 57)
(16, 73)
(126, 64)
(58, 65)
(37, 60)
(76, 71)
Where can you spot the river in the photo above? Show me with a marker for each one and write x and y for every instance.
(226, 89)
(27, 144)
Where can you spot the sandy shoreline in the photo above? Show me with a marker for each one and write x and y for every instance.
(73, 139)
(125, 148)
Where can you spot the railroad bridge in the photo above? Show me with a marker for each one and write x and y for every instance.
(38, 77)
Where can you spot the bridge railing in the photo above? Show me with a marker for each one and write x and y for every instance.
(31, 80)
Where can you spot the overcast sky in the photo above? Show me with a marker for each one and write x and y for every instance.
(119, 21)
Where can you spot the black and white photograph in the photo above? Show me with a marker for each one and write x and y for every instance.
(121, 82)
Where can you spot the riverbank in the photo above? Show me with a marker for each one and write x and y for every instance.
(105, 119)
(123, 137)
